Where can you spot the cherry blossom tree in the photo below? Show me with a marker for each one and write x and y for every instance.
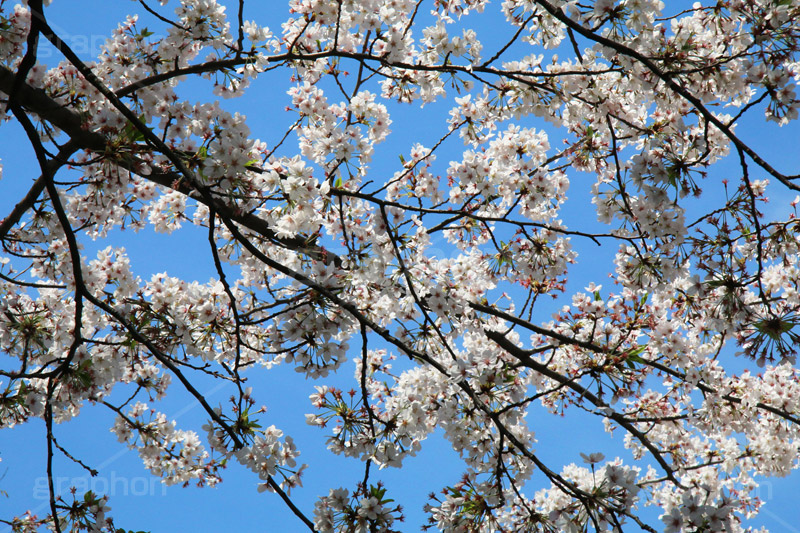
(434, 274)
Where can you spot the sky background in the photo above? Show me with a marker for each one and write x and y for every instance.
(138, 501)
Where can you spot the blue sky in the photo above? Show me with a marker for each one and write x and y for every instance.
(138, 501)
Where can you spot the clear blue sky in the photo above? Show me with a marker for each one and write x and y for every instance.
(140, 502)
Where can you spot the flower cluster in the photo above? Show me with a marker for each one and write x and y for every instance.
(434, 253)
(339, 511)
(177, 456)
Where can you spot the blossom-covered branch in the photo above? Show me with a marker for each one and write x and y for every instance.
(438, 262)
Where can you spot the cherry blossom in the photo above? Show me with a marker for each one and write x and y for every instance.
(452, 274)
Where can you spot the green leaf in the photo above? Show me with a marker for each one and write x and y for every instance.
(774, 328)
(632, 356)
(377, 492)
(132, 133)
